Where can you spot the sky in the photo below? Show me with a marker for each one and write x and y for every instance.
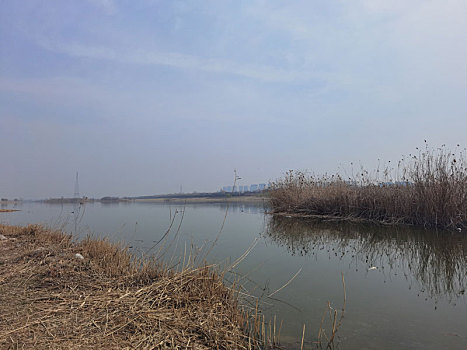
(142, 97)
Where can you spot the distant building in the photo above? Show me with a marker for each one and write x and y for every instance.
(262, 187)
(254, 188)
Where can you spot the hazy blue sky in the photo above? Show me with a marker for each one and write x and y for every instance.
(144, 96)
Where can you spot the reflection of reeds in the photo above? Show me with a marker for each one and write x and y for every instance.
(428, 189)
(437, 260)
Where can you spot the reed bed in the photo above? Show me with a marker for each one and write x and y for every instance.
(428, 189)
(60, 294)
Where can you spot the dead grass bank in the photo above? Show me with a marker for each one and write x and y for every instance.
(50, 298)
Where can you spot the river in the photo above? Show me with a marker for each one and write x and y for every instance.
(405, 287)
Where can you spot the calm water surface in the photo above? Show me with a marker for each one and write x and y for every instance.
(413, 297)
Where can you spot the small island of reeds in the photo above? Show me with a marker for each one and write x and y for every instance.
(428, 189)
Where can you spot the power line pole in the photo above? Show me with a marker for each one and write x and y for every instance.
(76, 194)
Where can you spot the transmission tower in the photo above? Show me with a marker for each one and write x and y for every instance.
(76, 194)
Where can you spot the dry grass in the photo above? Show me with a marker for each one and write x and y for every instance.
(428, 189)
(52, 299)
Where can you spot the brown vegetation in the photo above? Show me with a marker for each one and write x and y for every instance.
(50, 297)
(428, 189)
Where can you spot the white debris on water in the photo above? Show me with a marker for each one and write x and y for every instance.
(372, 268)
(79, 256)
(2, 237)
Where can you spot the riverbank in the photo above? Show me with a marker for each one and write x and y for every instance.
(200, 200)
(56, 293)
(192, 198)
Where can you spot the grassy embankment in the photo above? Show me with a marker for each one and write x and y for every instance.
(428, 189)
(108, 298)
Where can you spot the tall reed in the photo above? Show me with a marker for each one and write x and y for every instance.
(428, 189)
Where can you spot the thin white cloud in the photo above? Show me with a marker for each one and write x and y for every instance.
(421, 41)
(183, 61)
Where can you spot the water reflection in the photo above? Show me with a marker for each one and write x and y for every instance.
(77, 215)
(437, 261)
(241, 207)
